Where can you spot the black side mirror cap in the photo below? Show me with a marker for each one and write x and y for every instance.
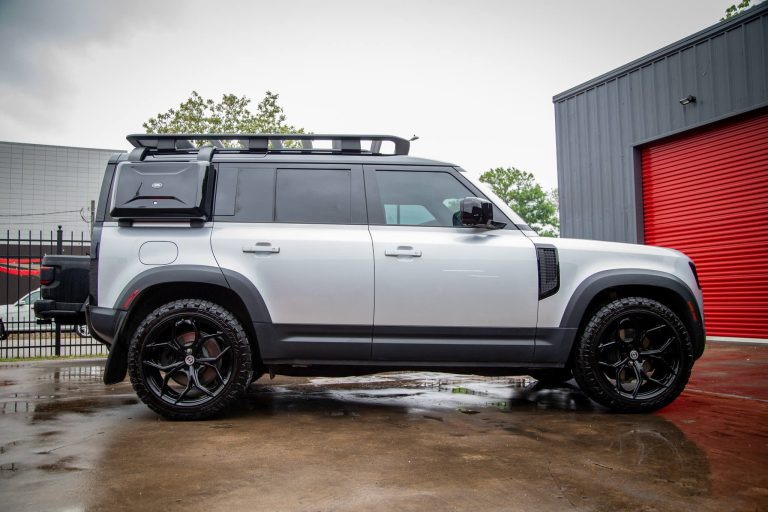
(477, 212)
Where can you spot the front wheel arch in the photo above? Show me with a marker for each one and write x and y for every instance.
(603, 287)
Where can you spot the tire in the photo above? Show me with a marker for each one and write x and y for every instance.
(634, 355)
(552, 376)
(189, 359)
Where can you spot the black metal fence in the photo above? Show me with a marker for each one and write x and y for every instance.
(20, 257)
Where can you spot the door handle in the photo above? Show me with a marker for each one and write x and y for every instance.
(403, 250)
(261, 247)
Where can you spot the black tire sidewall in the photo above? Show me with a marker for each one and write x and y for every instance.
(590, 378)
(241, 358)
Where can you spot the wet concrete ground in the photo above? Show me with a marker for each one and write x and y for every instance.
(409, 441)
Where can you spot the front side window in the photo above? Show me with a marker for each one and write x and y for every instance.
(422, 198)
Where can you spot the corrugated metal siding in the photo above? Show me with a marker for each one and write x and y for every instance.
(706, 194)
(599, 124)
(36, 178)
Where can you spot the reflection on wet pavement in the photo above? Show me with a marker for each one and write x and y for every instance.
(396, 441)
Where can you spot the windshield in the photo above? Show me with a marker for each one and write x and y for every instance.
(29, 298)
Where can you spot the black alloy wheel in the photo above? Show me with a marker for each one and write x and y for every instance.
(189, 359)
(634, 355)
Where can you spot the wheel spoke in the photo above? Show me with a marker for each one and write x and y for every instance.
(198, 385)
(186, 390)
(639, 381)
(216, 369)
(172, 345)
(652, 329)
(664, 362)
(607, 344)
(175, 335)
(166, 379)
(214, 359)
(618, 377)
(660, 350)
(651, 379)
(617, 364)
(173, 366)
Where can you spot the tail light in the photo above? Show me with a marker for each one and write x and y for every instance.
(47, 275)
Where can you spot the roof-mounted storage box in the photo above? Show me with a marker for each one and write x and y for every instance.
(162, 190)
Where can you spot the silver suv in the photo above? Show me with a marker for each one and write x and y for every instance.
(219, 258)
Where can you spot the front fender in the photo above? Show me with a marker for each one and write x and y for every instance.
(555, 344)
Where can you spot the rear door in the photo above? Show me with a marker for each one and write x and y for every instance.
(446, 293)
(298, 232)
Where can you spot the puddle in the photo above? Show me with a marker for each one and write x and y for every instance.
(80, 374)
(51, 409)
(421, 392)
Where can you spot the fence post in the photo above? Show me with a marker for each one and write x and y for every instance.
(93, 215)
(58, 339)
(59, 250)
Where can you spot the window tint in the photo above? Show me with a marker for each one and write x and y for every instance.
(255, 195)
(420, 198)
(314, 196)
(245, 195)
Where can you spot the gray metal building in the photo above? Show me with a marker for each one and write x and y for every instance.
(672, 150)
(601, 125)
(36, 180)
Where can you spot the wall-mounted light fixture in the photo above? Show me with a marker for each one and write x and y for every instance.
(688, 99)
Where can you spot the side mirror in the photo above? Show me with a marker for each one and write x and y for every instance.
(476, 212)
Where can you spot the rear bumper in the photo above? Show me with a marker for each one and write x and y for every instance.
(105, 323)
(65, 312)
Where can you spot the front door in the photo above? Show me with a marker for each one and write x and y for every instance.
(446, 293)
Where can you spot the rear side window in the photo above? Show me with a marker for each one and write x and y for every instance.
(245, 195)
(319, 196)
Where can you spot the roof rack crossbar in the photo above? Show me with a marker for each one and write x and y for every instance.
(171, 142)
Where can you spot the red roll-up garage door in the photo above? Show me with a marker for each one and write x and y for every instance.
(706, 193)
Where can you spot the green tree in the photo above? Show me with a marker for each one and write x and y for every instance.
(230, 115)
(521, 192)
(733, 10)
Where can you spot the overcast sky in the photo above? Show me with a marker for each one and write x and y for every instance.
(473, 79)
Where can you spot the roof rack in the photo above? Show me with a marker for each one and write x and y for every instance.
(266, 143)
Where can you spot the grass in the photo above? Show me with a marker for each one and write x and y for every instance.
(50, 358)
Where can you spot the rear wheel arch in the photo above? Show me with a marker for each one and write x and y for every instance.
(161, 285)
